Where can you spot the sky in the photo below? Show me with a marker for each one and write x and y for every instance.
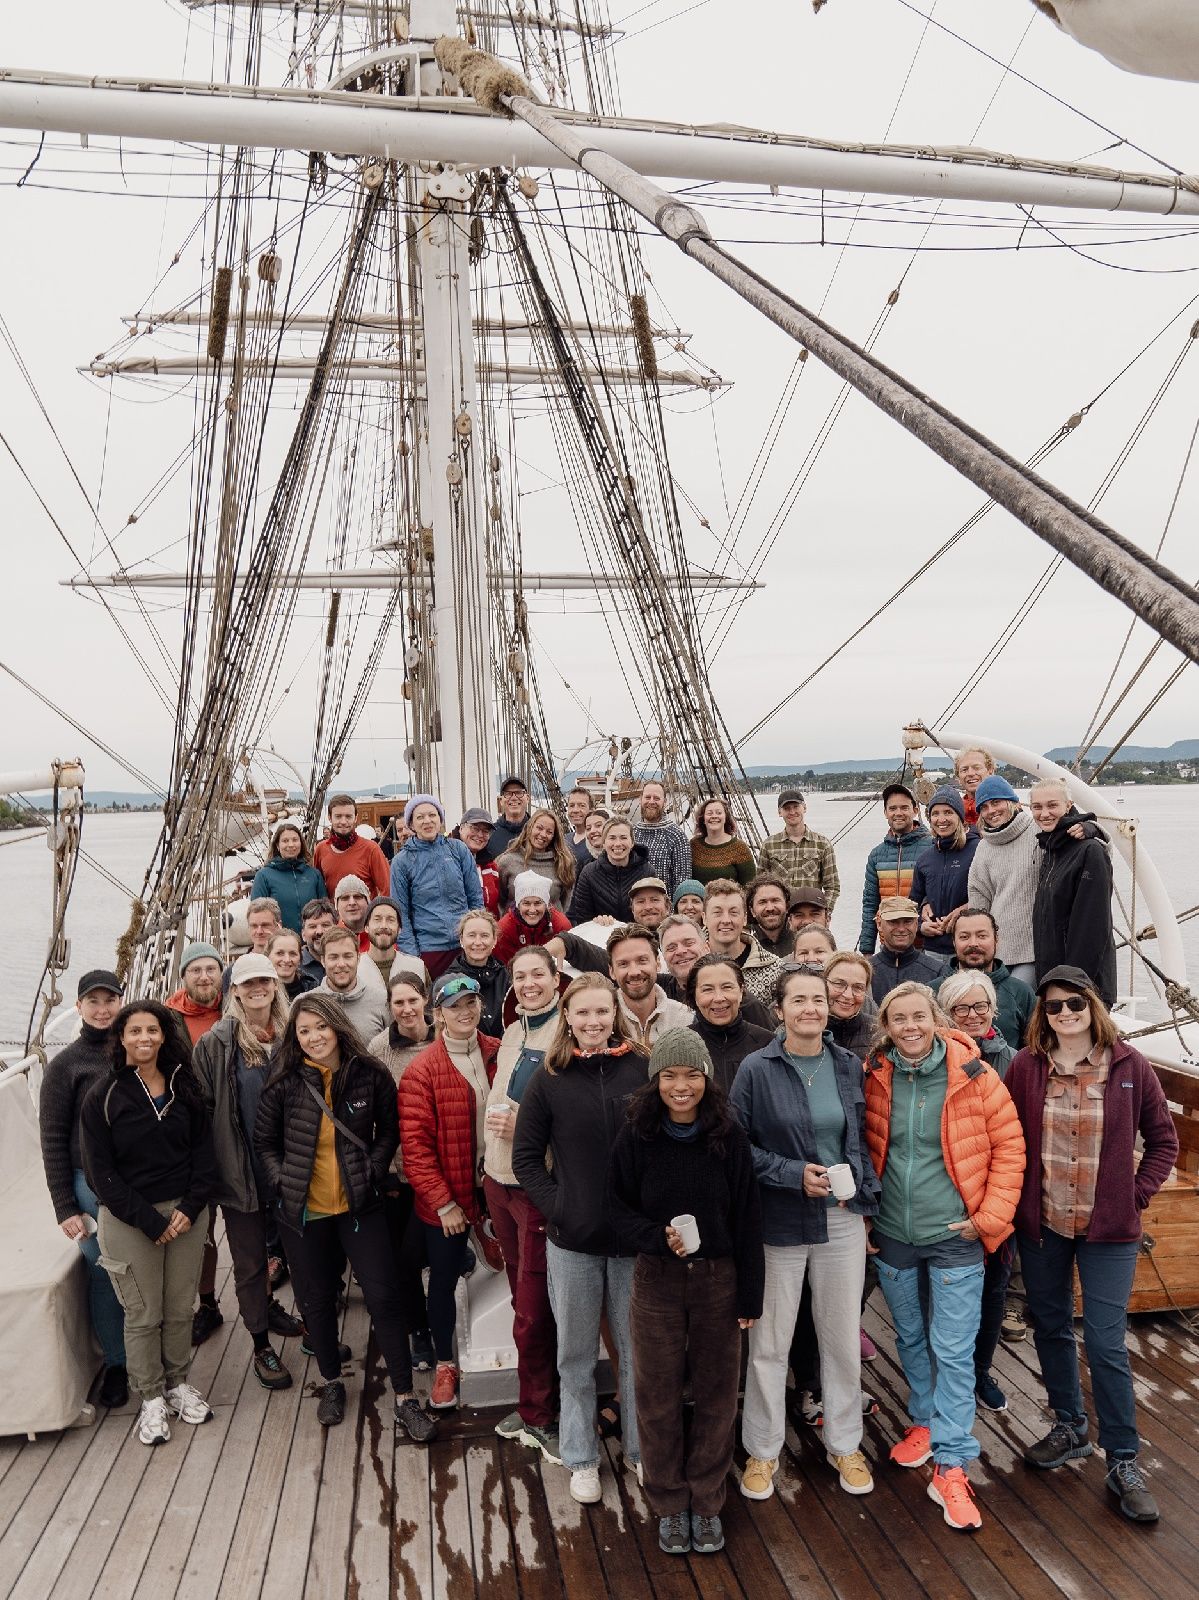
(1014, 323)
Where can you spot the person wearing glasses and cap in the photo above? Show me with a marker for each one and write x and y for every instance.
(443, 1103)
(1083, 1095)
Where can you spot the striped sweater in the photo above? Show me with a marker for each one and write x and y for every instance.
(889, 869)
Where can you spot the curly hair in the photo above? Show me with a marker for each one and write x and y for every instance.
(175, 1055)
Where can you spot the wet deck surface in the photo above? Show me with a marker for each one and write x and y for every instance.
(262, 1502)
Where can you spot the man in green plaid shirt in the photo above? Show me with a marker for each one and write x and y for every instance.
(803, 859)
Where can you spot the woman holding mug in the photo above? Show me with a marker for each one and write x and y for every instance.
(1083, 1095)
(800, 1101)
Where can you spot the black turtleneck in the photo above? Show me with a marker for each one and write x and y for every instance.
(68, 1078)
(728, 1046)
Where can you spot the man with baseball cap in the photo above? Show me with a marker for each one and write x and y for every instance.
(890, 865)
(805, 907)
(68, 1077)
(514, 813)
(649, 902)
(898, 961)
(800, 857)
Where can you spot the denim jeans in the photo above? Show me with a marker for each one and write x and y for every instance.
(108, 1319)
(1105, 1272)
(942, 1401)
(577, 1288)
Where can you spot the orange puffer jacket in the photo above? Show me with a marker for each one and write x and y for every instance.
(981, 1139)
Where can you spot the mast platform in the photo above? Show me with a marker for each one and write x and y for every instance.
(262, 1504)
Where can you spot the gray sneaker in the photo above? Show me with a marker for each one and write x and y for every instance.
(1125, 1479)
(511, 1426)
(1065, 1441)
(707, 1536)
(674, 1534)
(545, 1440)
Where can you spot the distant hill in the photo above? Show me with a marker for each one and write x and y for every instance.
(1180, 750)
(883, 764)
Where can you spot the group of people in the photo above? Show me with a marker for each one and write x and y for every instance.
(702, 1152)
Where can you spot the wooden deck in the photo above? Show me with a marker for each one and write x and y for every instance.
(262, 1502)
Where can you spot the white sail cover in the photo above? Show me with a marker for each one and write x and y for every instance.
(47, 1355)
(1159, 38)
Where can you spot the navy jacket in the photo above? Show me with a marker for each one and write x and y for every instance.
(941, 881)
(771, 1104)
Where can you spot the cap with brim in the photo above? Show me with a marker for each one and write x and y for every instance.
(351, 884)
(806, 896)
(898, 788)
(1070, 977)
(655, 884)
(99, 978)
(453, 987)
(896, 906)
(790, 797)
(477, 817)
(513, 783)
(252, 965)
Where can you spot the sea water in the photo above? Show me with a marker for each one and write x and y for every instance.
(1168, 818)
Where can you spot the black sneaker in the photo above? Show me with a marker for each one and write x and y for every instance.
(469, 1262)
(707, 1535)
(424, 1357)
(415, 1421)
(114, 1388)
(205, 1322)
(1125, 1478)
(1065, 1441)
(674, 1534)
(988, 1393)
(269, 1370)
(332, 1407)
(281, 1321)
(344, 1353)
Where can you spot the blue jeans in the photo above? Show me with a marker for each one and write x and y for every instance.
(1105, 1272)
(108, 1319)
(942, 1401)
(577, 1284)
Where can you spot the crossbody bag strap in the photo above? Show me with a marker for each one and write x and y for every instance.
(340, 1126)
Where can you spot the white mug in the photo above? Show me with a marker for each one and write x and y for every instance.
(841, 1181)
(688, 1232)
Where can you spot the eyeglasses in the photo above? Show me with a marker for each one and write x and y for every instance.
(839, 986)
(974, 1008)
(810, 968)
(1075, 1003)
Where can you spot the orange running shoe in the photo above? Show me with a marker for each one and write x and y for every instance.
(950, 1489)
(445, 1387)
(914, 1449)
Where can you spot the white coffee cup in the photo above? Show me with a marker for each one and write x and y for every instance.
(841, 1181)
(687, 1230)
(498, 1112)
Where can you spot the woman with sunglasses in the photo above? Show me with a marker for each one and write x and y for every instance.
(1083, 1095)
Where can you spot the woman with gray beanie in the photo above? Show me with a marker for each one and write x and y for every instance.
(682, 1193)
(434, 882)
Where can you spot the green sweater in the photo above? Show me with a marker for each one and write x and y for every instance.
(919, 1198)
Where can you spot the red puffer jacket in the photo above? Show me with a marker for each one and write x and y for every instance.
(437, 1130)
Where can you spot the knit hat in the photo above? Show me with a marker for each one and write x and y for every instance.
(423, 800)
(252, 965)
(531, 886)
(381, 900)
(196, 952)
(688, 886)
(947, 795)
(350, 884)
(680, 1047)
(993, 787)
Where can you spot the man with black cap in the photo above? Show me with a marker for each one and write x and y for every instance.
(68, 1077)
(805, 908)
(514, 813)
(802, 859)
(890, 865)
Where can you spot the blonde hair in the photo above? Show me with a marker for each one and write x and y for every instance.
(959, 827)
(562, 1049)
(882, 1038)
(483, 914)
(254, 1052)
(850, 958)
(975, 750)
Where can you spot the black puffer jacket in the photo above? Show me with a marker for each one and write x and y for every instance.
(603, 890)
(285, 1135)
(1072, 913)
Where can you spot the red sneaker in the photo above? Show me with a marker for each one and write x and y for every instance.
(950, 1489)
(914, 1449)
(489, 1246)
(445, 1387)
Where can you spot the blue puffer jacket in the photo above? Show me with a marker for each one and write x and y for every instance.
(941, 881)
(292, 883)
(434, 882)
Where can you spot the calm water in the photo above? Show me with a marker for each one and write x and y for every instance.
(99, 914)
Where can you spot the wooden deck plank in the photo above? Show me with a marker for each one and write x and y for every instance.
(578, 1556)
(612, 1525)
(255, 1524)
(369, 1553)
(35, 1456)
(91, 1551)
(670, 1577)
(327, 1565)
(411, 1526)
(37, 1506)
(453, 1545)
(10, 1451)
(491, 1533)
(760, 1538)
(537, 1574)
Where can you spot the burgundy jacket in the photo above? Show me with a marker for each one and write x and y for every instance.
(1134, 1102)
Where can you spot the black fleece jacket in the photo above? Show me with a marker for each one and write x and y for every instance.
(1072, 912)
(68, 1078)
(135, 1157)
(574, 1116)
(729, 1046)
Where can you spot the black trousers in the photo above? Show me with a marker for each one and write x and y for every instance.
(316, 1255)
(804, 1359)
(408, 1249)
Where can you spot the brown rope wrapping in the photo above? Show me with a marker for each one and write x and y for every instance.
(218, 322)
(644, 335)
(482, 77)
(128, 941)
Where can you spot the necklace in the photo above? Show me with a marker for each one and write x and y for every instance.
(809, 1080)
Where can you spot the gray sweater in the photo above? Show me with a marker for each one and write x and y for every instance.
(1003, 881)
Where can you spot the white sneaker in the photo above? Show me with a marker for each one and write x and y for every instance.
(152, 1425)
(585, 1486)
(188, 1404)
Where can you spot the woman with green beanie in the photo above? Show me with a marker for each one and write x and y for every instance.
(682, 1193)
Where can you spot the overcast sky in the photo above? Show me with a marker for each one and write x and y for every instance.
(1013, 339)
